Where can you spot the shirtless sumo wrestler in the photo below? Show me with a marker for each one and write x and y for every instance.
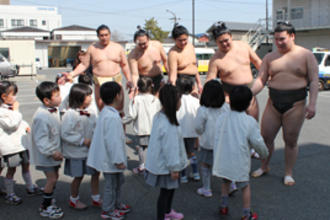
(107, 58)
(232, 63)
(288, 71)
(146, 59)
(182, 58)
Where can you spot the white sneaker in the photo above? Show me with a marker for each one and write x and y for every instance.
(51, 212)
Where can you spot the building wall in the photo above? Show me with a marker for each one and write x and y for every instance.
(47, 18)
(311, 39)
(314, 13)
(22, 53)
(75, 35)
(25, 35)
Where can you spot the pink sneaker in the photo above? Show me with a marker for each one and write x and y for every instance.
(173, 215)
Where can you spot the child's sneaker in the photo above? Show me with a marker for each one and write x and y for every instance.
(97, 203)
(51, 212)
(184, 179)
(196, 176)
(253, 216)
(173, 215)
(124, 208)
(115, 215)
(35, 191)
(78, 205)
(12, 199)
(204, 192)
(224, 211)
(138, 170)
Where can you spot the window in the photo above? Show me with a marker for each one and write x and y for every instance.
(1, 22)
(327, 61)
(281, 14)
(297, 13)
(43, 22)
(33, 22)
(17, 22)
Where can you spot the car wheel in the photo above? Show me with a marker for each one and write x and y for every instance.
(321, 85)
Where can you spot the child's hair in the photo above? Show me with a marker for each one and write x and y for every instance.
(185, 84)
(7, 87)
(109, 91)
(145, 84)
(46, 90)
(85, 79)
(240, 98)
(169, 97)
(212, 95)
(78, 94)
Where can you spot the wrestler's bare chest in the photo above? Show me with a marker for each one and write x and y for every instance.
(108, 54)
(288, 64)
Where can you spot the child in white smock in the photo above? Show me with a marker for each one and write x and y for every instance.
(235, 134)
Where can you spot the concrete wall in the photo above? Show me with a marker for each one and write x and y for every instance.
(22, 53)
(316, 13)
(311, 39)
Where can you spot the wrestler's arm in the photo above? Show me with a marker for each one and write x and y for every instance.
(133, 65)
(254, 58)
(164, 57)
(313, 77)
(173, 65)
(213, 70)
(125, 68)
(262, 77)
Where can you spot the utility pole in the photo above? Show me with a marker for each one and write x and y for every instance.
(267, 21)
(174, 18)
(193, 21)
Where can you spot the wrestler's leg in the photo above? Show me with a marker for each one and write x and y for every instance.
(292, 120)
(270, 125)
(253, 109)
(98, 99)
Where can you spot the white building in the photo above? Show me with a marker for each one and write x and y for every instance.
(311, 19)
(41, 17)
(74, 32)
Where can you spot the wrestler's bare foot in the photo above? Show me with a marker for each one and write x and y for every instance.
(289, 181)
(259, 172)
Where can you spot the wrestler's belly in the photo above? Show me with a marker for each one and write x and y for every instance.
(106, 69)
(155, 70)
(241, 77)
(189, 70)
(287, 85)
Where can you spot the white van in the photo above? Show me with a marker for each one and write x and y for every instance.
(7, 69)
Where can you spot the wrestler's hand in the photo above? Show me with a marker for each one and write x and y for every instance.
(175, 175)
(200, 88)
(64, 78)
(57, 156)
(120, 166)
(310, 112)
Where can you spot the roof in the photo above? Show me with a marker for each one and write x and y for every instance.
(74, 28)
(237, 26)
(24, 29)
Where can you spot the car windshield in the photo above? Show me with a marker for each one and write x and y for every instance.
(319, 57)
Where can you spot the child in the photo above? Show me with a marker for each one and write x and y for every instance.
(85, 79)
(76, 132)
(236, 132)
(186, 116)
(13, 130)
(46, 144)
(107, 152)
(166, 155)
(211, 102)
(142, 110)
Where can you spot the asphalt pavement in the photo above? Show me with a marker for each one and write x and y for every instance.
(309, 199)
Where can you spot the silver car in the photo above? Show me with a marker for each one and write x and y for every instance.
(7, 69)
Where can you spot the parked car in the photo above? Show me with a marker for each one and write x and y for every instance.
(7, 69)
(323, 58)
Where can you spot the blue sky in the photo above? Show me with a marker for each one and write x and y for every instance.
(124, 15)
